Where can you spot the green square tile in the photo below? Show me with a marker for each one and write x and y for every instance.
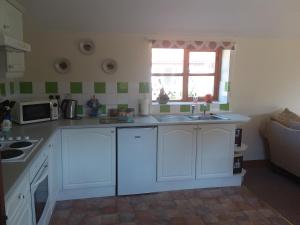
(204, 107)
(224, 107)
(79, 110)
(144, 87)
(102, 109)
(11, 88)
(185, 108)
(99, 87)
(122, 87)
(76, 87)
(164, 108)
(227, 86)
(51, 87)
(26, 88)
(2, 89)
(122, 107)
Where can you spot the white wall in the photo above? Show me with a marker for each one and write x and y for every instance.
(265, 73)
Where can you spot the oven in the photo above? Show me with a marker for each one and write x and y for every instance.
(39, 188)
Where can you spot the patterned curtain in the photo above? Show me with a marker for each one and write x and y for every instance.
(194, 45)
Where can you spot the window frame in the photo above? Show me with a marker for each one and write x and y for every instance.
(185, 75)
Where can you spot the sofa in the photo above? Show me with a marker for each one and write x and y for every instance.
(284, 146)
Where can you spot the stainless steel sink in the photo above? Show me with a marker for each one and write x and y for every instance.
(206, 117)
(183, 118)
(172, 118)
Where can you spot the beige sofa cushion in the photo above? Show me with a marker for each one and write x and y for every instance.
(287, 118)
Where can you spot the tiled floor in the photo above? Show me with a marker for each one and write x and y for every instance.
(218, 206)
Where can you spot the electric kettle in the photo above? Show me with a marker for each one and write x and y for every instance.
(69, 108)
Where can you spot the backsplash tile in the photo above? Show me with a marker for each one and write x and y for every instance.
(51, 87)
(122, 87)
(2, 89)
(11, 88)
(26, 87)
(100, 87)
(164, 108)
(76, 87)
(144, 87)
(224, 107)
(102, 109)
(185, 108)
(79, 109)
(122, 107)
(204, 107)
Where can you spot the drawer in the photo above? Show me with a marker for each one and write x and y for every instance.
(18, 199)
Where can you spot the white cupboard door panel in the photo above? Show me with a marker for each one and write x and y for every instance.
(176, 153)
(88, 157)
(215, 151)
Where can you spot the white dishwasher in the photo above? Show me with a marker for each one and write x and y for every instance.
(136, 157)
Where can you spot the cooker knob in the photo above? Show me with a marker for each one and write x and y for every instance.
(18, 138)
(2, 138)
(26, 137)
(10, 138)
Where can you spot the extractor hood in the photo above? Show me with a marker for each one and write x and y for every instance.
(13, 45)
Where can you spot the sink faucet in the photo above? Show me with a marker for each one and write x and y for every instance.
(193, 109)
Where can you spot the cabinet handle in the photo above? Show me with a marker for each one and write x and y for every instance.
(136, 137)
(21, 196)
(10, 66)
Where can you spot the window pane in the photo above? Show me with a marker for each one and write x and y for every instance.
(171, 84)
(165, 60)
(201, 85)
(202, 62)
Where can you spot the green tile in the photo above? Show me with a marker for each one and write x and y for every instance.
(76, 87)
(100, 87)
(224, 107)
(2, 89)
(51, 87)
(204, 107)
(79, 110)
(227, 86)
(122, 87)
(164, 108)
(185, 108)
(144, 87)
(122, 107)
(102, 109)
(11, 88)
(26, 88)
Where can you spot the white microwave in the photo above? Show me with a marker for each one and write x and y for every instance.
(25, 112)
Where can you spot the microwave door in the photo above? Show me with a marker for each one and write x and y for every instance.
(36, 112)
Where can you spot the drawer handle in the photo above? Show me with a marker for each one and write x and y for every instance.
(5, 26)
(21, 196)
(136, 137)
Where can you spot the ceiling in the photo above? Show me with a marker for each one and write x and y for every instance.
(262, 18)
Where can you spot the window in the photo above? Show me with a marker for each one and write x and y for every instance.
(185, 73)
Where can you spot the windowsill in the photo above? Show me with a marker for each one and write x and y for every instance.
(188, 103)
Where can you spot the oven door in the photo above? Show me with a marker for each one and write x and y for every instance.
(40, 193)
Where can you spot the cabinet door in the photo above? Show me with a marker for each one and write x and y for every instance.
(88, 157)
(11, 20)
(176, 153)
(22, 218)
(54, 167)
(215, 150)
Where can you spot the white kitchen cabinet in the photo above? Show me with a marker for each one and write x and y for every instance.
(11, 22)
(215, 150)
(88, 158)
(18, 204)
(176, 152)
(54, 167)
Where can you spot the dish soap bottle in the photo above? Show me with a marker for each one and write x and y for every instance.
(6, 123)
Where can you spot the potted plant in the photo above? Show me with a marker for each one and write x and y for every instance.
(162, 98)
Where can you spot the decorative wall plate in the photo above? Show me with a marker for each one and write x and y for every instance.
(109, 66)
(62, 65)
(87, 46)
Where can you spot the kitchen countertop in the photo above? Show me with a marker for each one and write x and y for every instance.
(12, 171)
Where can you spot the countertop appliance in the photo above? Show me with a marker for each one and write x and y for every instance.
(136, 160)
(39, 189)
(69, 108)
(17, 149)
(25, 112)
(144, 107)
